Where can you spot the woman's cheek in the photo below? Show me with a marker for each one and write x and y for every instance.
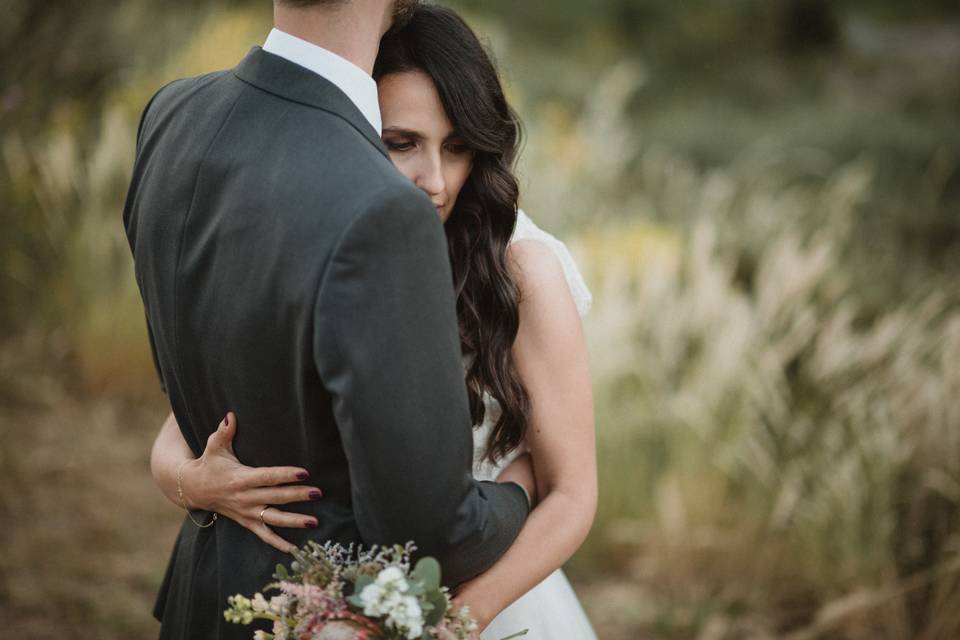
(402, 163)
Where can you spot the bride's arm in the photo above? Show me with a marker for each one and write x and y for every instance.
(551, 357)
(218, 482)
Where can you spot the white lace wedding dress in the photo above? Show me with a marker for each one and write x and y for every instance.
(550, 610)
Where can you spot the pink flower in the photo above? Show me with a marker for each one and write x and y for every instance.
(280, 630)
(442, 632)
(337, 631)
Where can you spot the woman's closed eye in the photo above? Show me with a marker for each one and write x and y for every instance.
(457, 148)
(399, 145)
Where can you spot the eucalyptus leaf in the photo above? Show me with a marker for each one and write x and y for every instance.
(355, 601)
(362, 582)
(428, 571)
(438, 601)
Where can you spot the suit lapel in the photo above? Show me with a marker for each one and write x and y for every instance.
(292, 82)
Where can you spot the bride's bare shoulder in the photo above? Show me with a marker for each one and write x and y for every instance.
(538, 273)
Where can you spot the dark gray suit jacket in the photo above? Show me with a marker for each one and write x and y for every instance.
(292, 275)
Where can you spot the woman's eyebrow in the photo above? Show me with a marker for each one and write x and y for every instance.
(407, 133)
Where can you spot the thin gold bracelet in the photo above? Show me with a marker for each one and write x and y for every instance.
(183, 500)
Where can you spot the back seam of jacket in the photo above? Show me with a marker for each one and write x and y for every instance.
(183, 232)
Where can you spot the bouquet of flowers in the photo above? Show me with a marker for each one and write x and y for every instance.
(345, 593)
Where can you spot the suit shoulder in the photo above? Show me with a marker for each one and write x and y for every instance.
(398, 193)
(181, 86)
(397, 205)
(353, 169)
(390, 216)
(168, 96)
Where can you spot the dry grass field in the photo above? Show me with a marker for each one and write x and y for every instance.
(773, 243)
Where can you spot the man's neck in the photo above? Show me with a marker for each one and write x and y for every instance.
(347, 33)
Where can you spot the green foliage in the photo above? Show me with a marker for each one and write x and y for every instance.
(427, 572)
(437, 602)
(426, 580)
(361, 583)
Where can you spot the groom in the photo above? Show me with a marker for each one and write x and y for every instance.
(292, 275)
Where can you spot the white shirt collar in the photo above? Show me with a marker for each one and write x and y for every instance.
(349, 78)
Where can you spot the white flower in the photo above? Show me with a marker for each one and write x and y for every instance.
(371, 597)
(392, 600)
(407, 616)
(388, 596)
(279, 604)
(260, 604)
(393, 577)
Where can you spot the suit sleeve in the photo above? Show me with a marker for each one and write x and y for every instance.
(156, 359)
(387, 347)
(126, 217)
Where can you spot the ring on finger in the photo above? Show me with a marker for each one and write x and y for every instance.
(262, 511)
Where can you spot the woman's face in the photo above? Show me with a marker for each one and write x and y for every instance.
(421, 139)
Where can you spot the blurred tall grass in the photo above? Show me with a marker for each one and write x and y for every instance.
(778, 458)
(772, 243)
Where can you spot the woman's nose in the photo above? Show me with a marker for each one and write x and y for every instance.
(430, 176)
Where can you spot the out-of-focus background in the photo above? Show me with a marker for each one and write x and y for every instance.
(765, 198)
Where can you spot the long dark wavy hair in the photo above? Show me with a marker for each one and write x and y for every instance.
(439, 43)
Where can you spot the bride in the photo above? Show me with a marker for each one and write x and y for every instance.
(520, 298)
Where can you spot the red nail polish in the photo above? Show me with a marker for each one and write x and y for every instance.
(312, 524)
(302, 475)
(315, 495)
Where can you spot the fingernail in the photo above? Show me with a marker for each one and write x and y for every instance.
(302, 475)
(315, 495)
(312, 524)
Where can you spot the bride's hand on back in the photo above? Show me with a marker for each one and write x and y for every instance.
(217, 481)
